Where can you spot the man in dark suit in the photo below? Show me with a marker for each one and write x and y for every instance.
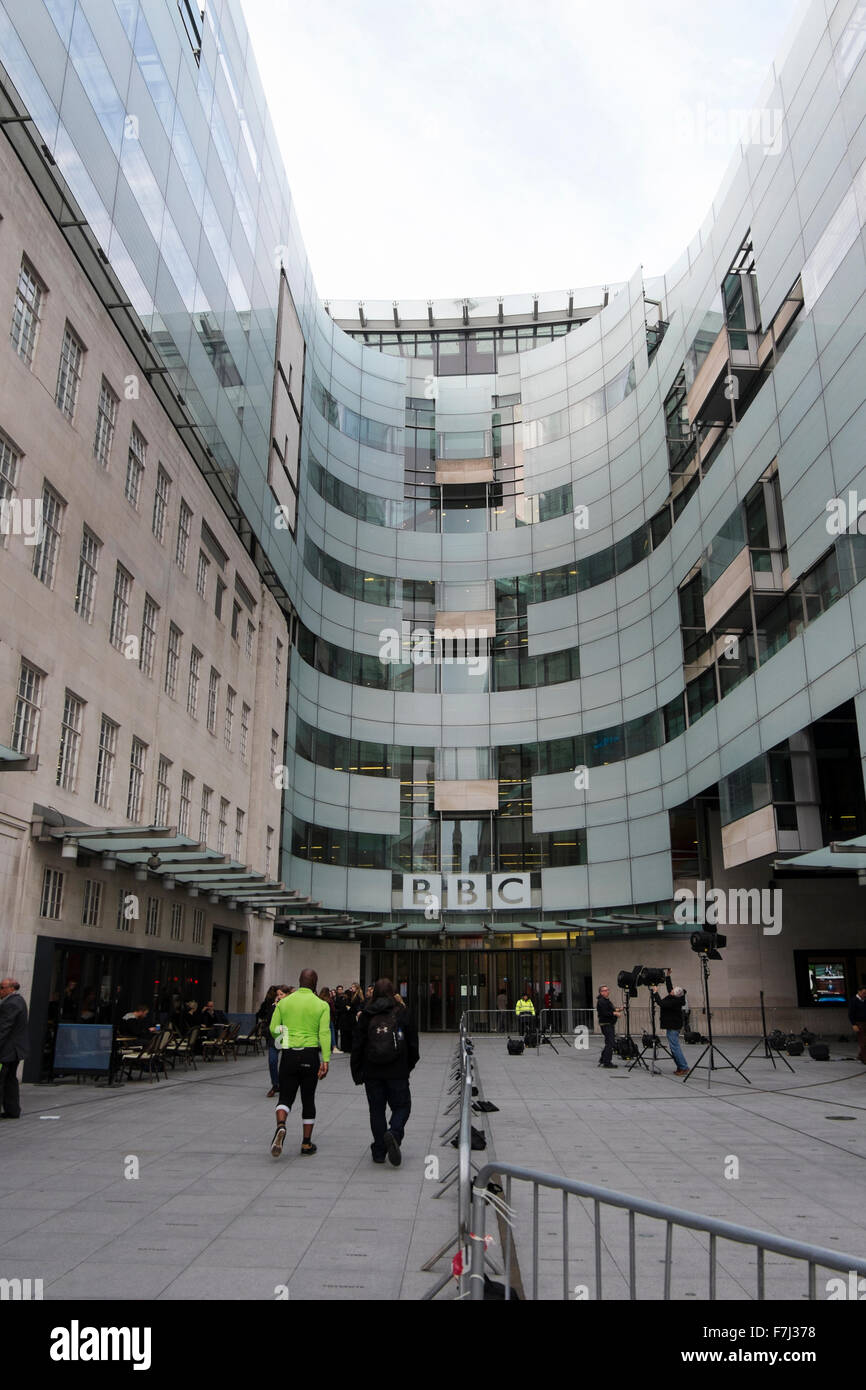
(13, 1046)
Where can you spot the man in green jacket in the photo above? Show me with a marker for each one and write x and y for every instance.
(301, 1024)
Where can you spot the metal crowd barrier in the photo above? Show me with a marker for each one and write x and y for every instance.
(814, 1256)
(464, 1076)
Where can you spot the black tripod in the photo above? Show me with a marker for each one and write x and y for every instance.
(768, 1050)
(711, 1047)
(653, 1044)
(632, 1047)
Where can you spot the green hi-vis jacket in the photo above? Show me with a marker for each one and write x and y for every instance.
(306, 1020)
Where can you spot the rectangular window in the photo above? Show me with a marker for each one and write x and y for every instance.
(223, 825)
(160, 503)
(69, 372)
(204, 817)
(239, 834)
(46, 552)
(153, 913)
(213, 687)
(125, 911)
(149, 622)
(248, 644)
(26, 310)
(120, 607)
(275, 743)
(218, 601)
(228, 730)
(236, 615)
(245, 729)
(201, 574)
(134, 797)
(91, 911)
(198, 926)
(184, 527)
(172, 660)
(105, 762)
(162, 804)
(106, 419)
(10, 457)
(135, 466)
(88, 565)
(25, 729)
(70, 742)
(176, 932)
(52, 894)
(269, 847)
(278, 663)
(186, 782)
(192, 687)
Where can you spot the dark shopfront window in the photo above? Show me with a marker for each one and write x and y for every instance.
(82, 983)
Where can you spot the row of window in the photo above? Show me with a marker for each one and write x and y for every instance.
(455, 353)
(443, 846)
(375, 435)
(25, 734)
(26, 316)
(506, 666)
(494, 506)
(128, 909)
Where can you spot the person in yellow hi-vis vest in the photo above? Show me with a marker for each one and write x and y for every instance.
(525, 1010)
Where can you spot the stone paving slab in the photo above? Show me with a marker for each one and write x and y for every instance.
(212, 1215)
(800, 1172)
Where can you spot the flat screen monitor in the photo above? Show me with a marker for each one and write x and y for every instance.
(83, 1047)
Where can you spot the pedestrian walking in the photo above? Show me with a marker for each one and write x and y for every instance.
(14, 1046)
(384, 1052)
(265, 1013)
(302, 1022)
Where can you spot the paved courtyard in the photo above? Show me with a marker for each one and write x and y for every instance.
(212, 1215)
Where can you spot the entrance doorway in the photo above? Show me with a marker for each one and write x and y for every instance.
(439, 985)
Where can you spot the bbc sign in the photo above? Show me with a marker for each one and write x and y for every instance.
(467, 892)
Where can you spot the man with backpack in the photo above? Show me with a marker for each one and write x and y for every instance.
(384, 1052)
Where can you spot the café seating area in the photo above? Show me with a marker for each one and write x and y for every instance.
(168, 1047)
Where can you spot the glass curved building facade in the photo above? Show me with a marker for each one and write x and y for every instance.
(573, 626)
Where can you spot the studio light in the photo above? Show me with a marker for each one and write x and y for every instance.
(706, 943)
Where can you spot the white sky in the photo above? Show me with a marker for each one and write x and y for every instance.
(441, 148)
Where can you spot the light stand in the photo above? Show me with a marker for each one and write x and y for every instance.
(626, 1004)
(655, 1041)
(768, 1050)
(711, 1047)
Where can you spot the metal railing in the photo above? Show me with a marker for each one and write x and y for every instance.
(814, 1256)
(463, 1072)
(502, 1021)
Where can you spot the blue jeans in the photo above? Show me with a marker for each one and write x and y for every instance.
(274, 1066)
(396, 1094)
(673, 1035)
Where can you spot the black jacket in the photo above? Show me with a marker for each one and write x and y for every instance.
(605, 1010)
(14, 1040)
(399, 1069)
(671, 1009)
(857, 1010)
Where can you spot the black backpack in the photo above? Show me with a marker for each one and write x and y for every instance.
(386, 1039)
